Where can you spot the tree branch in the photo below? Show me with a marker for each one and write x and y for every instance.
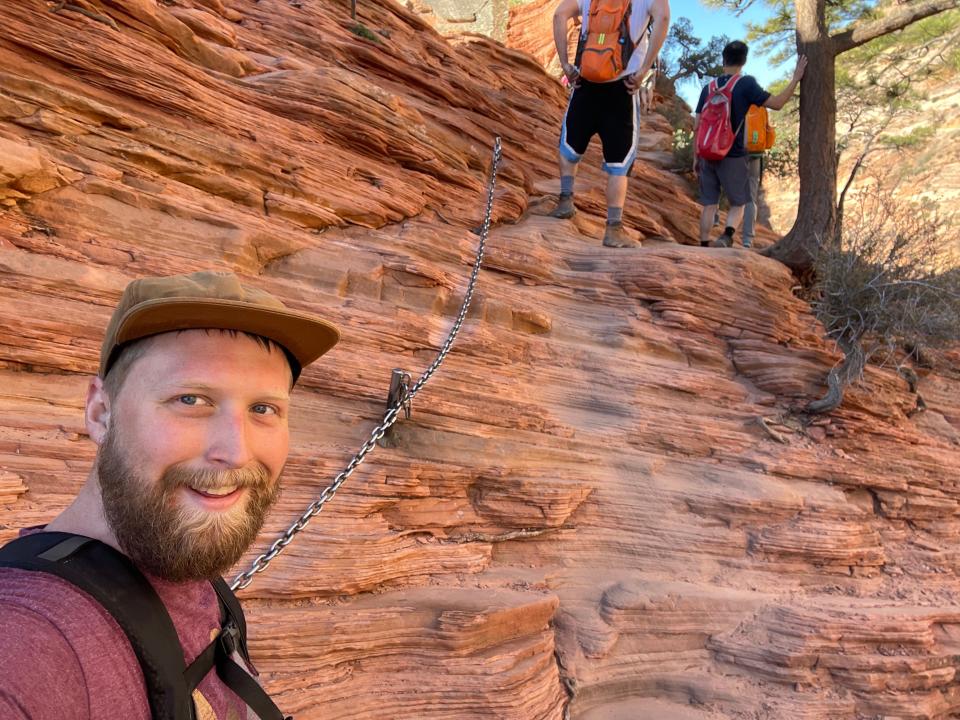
(860, 33)
(846, 187)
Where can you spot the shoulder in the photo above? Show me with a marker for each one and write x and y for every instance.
(39, 669)
(61, 602)
(659, 7)
(749, 88)
(748, 85)
(60, 649)
(649, 7)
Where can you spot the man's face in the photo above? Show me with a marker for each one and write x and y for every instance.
(196, 441)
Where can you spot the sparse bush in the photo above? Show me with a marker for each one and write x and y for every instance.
(781, 159)
(683, 149)
(673, 108)
(361, 30)
(891, 282)
(917, 137)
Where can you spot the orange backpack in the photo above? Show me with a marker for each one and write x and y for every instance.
(605, 49)
(760, 135)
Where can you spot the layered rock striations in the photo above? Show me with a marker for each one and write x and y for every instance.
(604, 504)
(530, 29)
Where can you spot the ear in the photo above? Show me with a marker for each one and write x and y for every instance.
(97, 413)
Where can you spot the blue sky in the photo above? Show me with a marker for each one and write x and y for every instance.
(709, 21)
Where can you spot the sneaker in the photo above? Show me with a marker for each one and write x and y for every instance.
(725, 240)
(565, 208)
(616, 236)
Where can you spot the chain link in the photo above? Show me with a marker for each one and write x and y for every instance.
(392, 414)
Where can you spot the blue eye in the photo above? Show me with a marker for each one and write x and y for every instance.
(192, 401)
(263, 409)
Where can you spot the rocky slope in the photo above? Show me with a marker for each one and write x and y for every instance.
(602, 507)
(530, 29)
(454, 17)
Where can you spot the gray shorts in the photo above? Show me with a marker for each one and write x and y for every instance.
(732, 174)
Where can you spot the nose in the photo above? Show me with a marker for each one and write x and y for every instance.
(227, 444)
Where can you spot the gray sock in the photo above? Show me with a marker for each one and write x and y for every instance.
(614, 215)
(566, 184)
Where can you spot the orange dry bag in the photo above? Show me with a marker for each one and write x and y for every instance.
(760, 134)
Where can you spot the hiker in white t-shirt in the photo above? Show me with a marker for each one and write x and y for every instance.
(613, 57)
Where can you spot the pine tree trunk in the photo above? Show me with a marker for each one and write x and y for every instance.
(816, 212)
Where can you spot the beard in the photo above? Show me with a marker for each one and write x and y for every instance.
(162, 533)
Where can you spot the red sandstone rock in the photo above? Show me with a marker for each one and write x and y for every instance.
(585, 512)
(530, 29)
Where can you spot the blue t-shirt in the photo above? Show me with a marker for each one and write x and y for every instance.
(747, 92)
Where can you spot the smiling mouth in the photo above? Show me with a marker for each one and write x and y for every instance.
(221, 492)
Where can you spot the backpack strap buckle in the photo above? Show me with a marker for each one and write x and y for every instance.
(230, 637)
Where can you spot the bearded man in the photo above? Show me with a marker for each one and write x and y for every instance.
(190, 415)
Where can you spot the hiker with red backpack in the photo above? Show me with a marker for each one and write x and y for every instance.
(613, 58)
(720, 152)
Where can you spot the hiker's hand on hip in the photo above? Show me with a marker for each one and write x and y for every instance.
(633, 81)
(573, 75)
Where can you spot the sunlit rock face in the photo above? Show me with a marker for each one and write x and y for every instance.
(602, 504)
(453, 17)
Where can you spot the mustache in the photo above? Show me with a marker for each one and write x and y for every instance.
(252, 476)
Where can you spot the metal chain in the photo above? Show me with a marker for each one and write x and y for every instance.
(390, 417)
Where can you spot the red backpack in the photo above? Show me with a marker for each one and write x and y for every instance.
(715, 134)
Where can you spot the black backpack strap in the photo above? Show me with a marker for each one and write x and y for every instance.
(626, 39)
(219, 654)
(232, 610)
(111, 579)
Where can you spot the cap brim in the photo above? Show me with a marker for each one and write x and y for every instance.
(304, 336)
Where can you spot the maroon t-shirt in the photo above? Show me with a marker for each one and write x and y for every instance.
(63, 657)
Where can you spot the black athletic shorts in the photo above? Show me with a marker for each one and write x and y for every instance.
(608, 110)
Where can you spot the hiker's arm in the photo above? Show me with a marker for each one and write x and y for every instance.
(566, 11)
(693, 139)
(40, 676)
(660, 16)
(776, 102)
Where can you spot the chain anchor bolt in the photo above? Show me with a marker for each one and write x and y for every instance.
(398, 396)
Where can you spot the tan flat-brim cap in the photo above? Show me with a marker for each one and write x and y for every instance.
(216, 301)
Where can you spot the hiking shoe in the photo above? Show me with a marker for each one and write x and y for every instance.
(565, 208)
(725, 240)
(616, 236)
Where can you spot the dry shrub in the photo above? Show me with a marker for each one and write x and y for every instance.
(891, 282)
